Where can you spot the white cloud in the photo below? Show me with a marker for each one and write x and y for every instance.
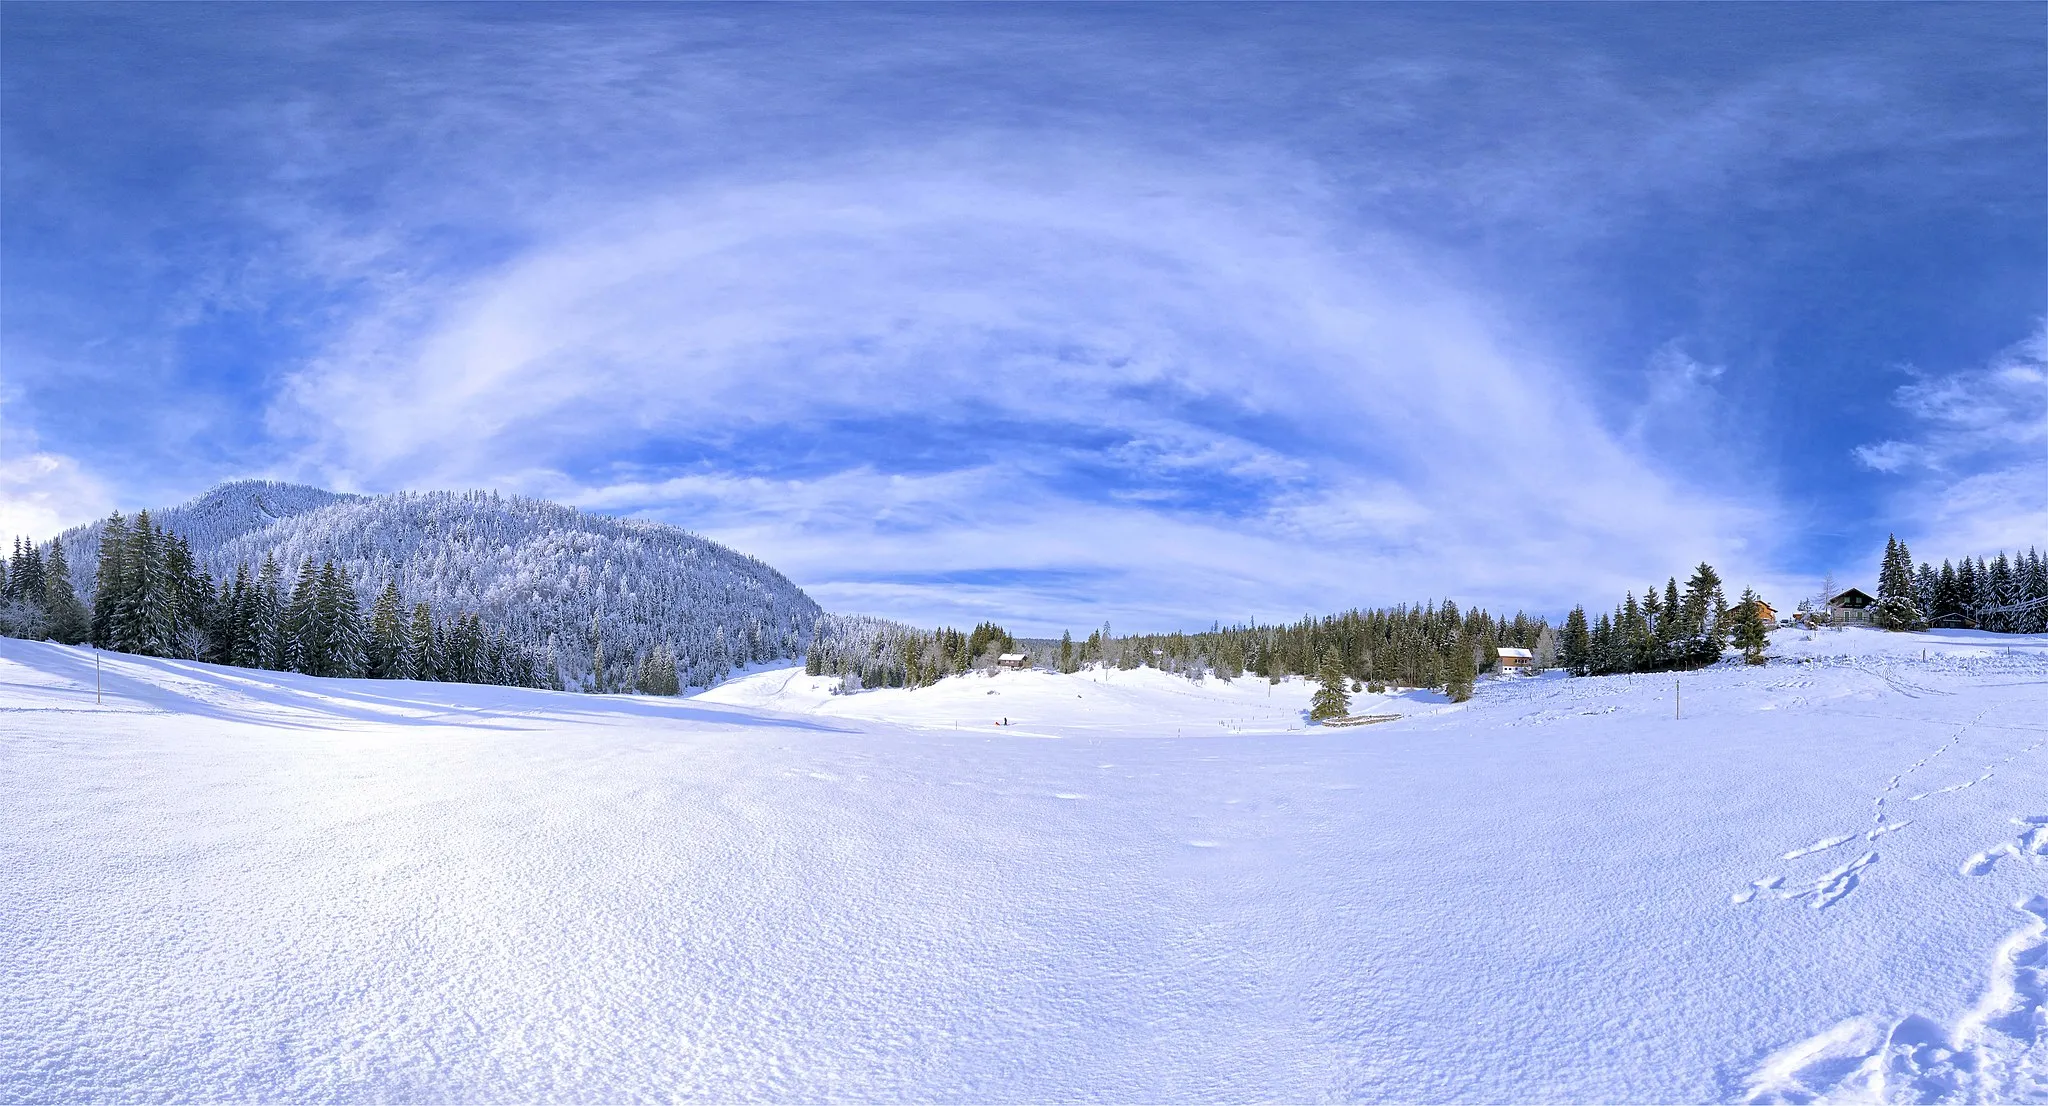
(43, 494)
(1977, 472)
(1381, 438)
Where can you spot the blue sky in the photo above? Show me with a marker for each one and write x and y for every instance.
(1056, 314)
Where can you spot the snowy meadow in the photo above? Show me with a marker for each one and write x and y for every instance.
(1826, 877)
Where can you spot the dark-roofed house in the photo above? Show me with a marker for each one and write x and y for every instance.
(1851, 608)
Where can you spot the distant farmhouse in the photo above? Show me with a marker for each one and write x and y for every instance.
(1012, 660)
(1515, 660)
(1852, 607)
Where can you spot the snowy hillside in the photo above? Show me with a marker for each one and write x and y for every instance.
(550, 576)
(1827, 878)
(208, 522)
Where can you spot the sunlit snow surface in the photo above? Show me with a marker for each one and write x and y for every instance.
(1826, 879)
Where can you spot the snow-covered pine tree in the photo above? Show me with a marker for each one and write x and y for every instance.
(1947, 598)
(245, 650)
(420, 663)
(1708, 616)
(1895, 572)
(387, 634)
(267, 624)
(303, 635)
(21, 599)
(658, 673)
(1999, 593)
(344, 648)
(68, 622)
(191, 592)
(2033, 588)
(108, 577)
(1926, 589)
(147, 616)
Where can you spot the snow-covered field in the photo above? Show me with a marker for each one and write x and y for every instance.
(1828, 877)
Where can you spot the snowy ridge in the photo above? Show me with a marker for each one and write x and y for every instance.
(553, 577)
(208, 522)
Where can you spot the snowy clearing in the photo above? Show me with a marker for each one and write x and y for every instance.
(1828, 879)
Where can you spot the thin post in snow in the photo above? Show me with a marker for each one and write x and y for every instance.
(95, 677)
(1677, 699)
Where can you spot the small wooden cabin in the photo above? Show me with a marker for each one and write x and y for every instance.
(1851, 607)
(1766, 612)
(1013, 660)
(1515, 660)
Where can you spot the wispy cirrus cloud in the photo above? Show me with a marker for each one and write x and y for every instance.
(1162, 378)
(1975, 468)
(1177, 311)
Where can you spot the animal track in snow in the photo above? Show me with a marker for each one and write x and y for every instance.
(1996, 1052)
(1830, 888)
(2032, 843)
(1824, 892)
(1757, 887)
(1951, 787)
(1822, 845)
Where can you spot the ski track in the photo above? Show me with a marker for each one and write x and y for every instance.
(1996, 1052)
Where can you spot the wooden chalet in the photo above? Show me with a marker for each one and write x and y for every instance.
(1515, 660)
(1852, 607)
(1012, 660)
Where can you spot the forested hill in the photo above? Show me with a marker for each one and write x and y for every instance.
(552, 577)
(208, 522)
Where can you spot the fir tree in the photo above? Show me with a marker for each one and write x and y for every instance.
(658, 673)
(1330, 700)
(147, 617)
(303, 637)
(1896, 606)
(109, 594)
(1926, 589)
(387, 634)
(68, 622)
(191, 598)
(1749, 631)
(420, 660)
(267, 621)
(1460, 672)
(342, 645)
(246, 648)
(1576, 651)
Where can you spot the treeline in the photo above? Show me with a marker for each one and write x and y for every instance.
(152, 599)
(2002, 595)
(36, 597)
(1426, 645)
(876, 652)
(1664, 632)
